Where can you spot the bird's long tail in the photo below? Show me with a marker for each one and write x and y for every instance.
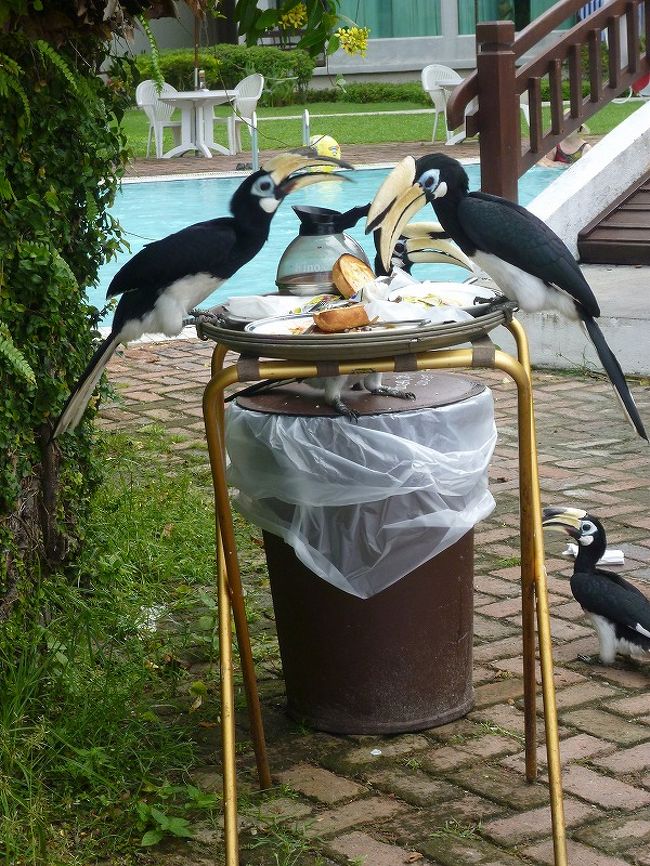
(83, 390)
(613, 369)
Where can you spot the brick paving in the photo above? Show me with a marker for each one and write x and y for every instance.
(456, 795)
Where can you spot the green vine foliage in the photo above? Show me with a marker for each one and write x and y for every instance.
(60, 164)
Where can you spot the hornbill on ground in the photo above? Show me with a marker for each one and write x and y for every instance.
(524, 257)
(619, 612)
(162, 283)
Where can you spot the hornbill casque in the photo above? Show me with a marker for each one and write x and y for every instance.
(525, 258)
(619, 612)
(162, 283)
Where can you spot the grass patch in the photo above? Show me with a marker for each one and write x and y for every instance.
(100, 696)
(348, 130)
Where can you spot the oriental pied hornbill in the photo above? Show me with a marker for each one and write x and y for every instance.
(524, 257)
(619, 612)
(162, 283)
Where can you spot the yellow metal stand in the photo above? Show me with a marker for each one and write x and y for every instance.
(533, 574)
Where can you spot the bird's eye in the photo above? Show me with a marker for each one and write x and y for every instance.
(399, 248)
(430, 179)
(263, 186)
(587, 527)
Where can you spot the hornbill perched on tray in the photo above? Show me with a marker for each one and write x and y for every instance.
(162, 283)
(524, 257)
(619, 612)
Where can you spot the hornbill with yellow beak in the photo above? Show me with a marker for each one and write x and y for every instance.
(162, 283)
(619, 612)
(525, 258)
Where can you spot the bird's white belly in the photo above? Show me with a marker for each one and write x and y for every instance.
(606, 637)
(172, 307)
(531, 293)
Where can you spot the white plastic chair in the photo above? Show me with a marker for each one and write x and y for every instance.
(158, 113)
(438, 81)
(247, 94)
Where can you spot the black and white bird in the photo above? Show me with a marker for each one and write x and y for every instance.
(422, 243)
(162, 283)
(619, 612)
(525, 258)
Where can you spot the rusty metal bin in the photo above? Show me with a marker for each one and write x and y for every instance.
(401, 659)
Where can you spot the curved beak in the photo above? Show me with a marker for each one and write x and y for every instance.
(398, 199)
(430, 250)
(299, 168)
(563, 520)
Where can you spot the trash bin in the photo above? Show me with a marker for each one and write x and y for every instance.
(368, 530)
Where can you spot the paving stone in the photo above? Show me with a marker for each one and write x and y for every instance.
(629, 679)
(414, 827)
(606, 725)
(450, 850)
(620, 834)
(500, 784)
(393, 748)
(282, 808)
(486, 628)
(582, 693)
(498, 692)
(577, 854)
(363, 848)
(626, 760)
(320, 784)
(534, 823)
(371, 810)
(576, 748)
(603, 790)
(635, 705)
(413, 786)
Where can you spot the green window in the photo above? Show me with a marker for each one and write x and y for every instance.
(386, 18)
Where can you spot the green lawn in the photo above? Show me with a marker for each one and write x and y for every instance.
(278, 134)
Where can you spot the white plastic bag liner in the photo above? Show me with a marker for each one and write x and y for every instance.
(364, 504)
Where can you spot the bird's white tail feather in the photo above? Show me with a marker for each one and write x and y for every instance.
(80, 396)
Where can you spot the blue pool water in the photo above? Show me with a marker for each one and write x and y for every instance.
(150, 211)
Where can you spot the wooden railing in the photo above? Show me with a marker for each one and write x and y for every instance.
(499, 83)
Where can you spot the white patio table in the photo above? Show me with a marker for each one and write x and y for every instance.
(196, 113)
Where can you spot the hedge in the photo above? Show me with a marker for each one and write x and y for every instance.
(287, 73)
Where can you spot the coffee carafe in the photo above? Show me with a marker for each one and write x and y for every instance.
(306, 265)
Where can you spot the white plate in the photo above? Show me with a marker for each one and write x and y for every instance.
(442, 294)
(297, 325)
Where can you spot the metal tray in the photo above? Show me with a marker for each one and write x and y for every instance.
(355, 345)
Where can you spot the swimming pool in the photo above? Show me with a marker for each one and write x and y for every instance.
(150, 211)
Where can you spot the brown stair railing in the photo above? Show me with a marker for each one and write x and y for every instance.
(499, 83)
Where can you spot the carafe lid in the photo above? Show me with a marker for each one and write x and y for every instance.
(317, 220)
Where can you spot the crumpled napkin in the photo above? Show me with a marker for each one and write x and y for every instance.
(612, 556)
(392, 311)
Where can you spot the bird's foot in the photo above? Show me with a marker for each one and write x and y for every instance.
(204, 317)
(344, 410)
(589, 660)
(385, 391)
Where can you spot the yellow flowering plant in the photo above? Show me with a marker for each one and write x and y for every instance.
(353, 40)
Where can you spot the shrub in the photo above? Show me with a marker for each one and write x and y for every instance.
(59, 167)
(286, 73)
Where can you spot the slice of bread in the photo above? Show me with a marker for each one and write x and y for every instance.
(337, 320)
(350, 274)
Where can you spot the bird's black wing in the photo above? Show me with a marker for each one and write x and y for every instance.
(609, 595)
(203, 247)
(507, 230)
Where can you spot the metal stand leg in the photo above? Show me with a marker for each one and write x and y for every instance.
(533, 572)
(227, 552)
